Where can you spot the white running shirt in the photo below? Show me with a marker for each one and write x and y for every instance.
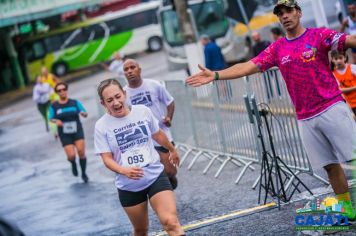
(154, 96)
(130, 141)
(352, 26)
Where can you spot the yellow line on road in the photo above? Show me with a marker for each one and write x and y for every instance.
(222, 217)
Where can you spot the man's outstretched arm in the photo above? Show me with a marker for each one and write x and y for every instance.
(234, 72)
(350, 41)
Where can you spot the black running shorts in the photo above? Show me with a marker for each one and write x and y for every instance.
(163, 149)
(128, 198)
(67, 139)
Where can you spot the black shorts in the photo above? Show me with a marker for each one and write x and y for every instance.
(67, 139)
(128, 198)
(163, 149)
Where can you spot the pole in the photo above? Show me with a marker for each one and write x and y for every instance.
(15, 66)
(319, 14)
(244, 15)
(192, 50)
(343, 8)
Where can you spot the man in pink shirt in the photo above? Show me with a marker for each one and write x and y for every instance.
(327, 128)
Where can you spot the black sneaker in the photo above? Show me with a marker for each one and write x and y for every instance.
(85, 178)
(174, 182)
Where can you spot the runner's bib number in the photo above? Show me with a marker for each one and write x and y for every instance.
(137, 157)
(70, 127)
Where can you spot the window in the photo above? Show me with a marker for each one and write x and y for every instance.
(209, 17)
(133, 21)
(96, 31)
(38, 50)
(73, 38)
(35, 51)
(53, 43)
(143, 18)
(28, 53)
(171, 28)
(119, 25)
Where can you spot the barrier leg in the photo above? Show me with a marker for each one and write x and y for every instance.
(243, 172)
(237, 161)
(222, 166)
(321, 179)
(185, 156)
(210, 163)
(257, 181)
(291, 179)
(194, 159)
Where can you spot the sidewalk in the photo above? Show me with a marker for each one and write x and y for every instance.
(14, 96)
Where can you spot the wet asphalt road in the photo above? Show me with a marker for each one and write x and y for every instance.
(39, 194)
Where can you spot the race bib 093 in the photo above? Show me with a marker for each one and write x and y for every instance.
(136, 157)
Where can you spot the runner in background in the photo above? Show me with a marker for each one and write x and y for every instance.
(51, 80)
(117, 67)
(41, 95)
(349, 24)
(65, 114)
(154, 96)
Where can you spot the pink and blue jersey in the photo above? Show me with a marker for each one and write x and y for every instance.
(304, 64)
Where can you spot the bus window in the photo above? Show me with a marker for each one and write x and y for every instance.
(96, 31)
(53, 43)
(74, 38)
(210, 19)
(27, 52)
(36, 51)
(152, 16)
(171, 28)
(118, 25)
(143, 18)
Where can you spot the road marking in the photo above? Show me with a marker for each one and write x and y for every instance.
(222, 217)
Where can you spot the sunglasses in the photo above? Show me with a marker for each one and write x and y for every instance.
(60, 90)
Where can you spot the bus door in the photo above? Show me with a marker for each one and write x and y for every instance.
(34, 54)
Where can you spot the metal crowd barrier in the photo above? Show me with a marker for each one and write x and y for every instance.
(207, 124)
(211, 121)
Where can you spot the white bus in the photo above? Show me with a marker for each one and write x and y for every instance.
(210, 19)
(131, 30)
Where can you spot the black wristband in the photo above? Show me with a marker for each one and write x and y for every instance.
(216, 77)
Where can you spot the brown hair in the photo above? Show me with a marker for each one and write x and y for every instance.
(61, 83)
(335, 54)
(104, 84)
